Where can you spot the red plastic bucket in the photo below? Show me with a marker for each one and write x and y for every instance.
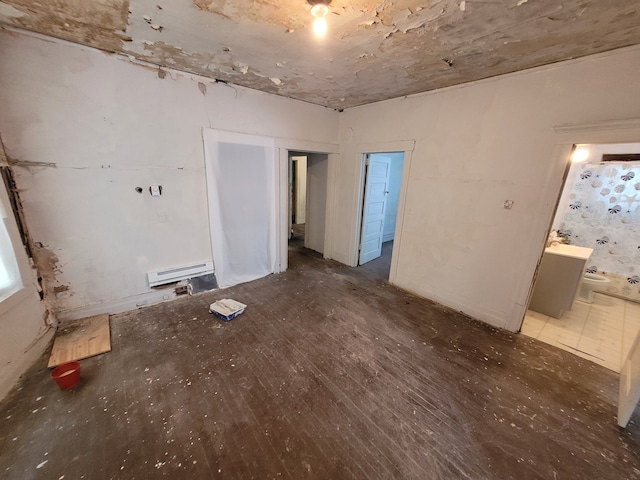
(66, 375)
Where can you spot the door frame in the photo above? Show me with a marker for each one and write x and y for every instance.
(367, 199)
(283, 147)
(566, 136)
(407, 147)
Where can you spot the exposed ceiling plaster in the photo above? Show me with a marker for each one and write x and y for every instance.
(374, 50)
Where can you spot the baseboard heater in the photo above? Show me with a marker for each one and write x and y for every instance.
(181, 273)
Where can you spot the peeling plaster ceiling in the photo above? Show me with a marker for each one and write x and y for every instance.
(374, 50)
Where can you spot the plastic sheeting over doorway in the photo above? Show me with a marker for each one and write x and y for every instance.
(241, 175)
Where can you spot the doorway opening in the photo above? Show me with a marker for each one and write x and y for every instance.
(594, 235)
(383, 174)
(308, 179)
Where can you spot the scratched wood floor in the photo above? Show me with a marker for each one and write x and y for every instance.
(330, 373)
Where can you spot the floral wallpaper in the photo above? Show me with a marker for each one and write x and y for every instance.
(604, 214)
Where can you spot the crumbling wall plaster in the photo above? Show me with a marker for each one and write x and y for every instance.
(374, 49)
(98, 127)
(98, 23)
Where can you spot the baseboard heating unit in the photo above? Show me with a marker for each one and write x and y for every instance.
(181, 273)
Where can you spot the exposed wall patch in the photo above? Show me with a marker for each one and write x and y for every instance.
(48, 268)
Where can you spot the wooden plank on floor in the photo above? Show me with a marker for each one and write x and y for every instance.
(81, 339)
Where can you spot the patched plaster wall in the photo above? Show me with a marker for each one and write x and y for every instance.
(84, 129)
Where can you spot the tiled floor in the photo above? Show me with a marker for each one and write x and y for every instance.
(601, 332)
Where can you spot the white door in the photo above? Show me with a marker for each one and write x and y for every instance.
(375, 201)
(629, 384)
(316, 206)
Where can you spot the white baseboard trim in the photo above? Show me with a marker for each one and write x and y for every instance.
(117, 306)
(492, 317)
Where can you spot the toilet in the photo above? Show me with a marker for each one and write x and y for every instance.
(592, 283)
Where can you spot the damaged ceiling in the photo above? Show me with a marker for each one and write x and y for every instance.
(374, 49)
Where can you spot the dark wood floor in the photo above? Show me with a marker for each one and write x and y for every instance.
(330, 373)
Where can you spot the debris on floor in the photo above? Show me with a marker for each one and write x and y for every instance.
(227, 309)
(203, 283)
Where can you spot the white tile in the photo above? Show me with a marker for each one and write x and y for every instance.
(606, 313)
(601, 332)
(556, 336)
(580, 307)
(632, 314)
(630, 333)
(533, 323)
(536, 316)
(599, 350)
(612, 364)
(608, 301)
(531, 328)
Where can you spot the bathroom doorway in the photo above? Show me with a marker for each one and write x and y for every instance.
(599, 209)
(380, 198)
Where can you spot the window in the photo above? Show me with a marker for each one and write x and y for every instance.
(10, 281)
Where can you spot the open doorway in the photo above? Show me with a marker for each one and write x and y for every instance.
(308, 178)
(380, 199)
(594, 310)
(297, 198)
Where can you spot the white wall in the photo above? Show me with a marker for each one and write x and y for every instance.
(107, 126)
(301, 189)
(24, 327)
(476, 146)
(317, 179)
(391, 209)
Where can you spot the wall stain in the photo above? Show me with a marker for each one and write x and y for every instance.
(47, 264)
(101, 25)
(46, 318)
(60, 288)
(27, 164)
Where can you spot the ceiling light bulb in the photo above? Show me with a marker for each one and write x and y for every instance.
(580, 155)
(319, 10)
(320, 26)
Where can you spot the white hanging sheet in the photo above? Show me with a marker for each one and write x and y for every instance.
(241, 175)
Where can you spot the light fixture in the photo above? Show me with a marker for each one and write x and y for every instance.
(319, 9)
(580, 155)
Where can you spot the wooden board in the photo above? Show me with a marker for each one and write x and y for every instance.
(81, 339)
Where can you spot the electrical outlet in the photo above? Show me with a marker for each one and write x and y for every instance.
(156, 190)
